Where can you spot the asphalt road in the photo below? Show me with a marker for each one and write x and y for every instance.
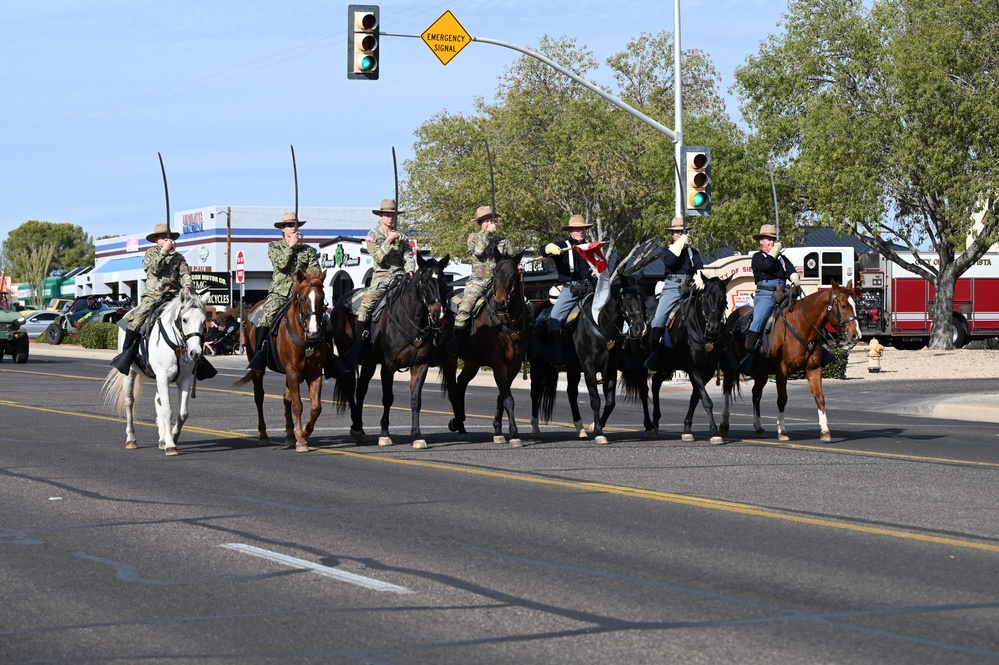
(880, 547)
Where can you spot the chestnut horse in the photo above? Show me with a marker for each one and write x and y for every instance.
(299, 349)
(502, 335)
(796, 343)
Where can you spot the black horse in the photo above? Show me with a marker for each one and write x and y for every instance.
(595, 353)
(502, 335)
(405, 336)
(699, 340)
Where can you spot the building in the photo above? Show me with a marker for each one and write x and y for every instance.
(213, 238)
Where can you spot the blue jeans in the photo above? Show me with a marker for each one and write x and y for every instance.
(561, 309)
(668, 298)
(763, 303)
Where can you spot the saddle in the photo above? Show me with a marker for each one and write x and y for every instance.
(783, 299)
(352, 301)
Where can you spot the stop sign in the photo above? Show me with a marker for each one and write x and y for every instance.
(240, 272)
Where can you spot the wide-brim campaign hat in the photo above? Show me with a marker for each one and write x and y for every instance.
(286, 218)
(766, 231)
(483, 212)
(678, 224)
(576, 223)
(162, 229)
(388, 207)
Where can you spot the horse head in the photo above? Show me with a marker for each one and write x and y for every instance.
(308, 304)
(506, 280)
(431, 282)
(189, 314)
(841, 312)
(711, 304)
(632, 301)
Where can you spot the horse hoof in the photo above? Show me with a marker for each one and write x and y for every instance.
(650, 434)
(516, 443)
(591, 427)
(420, 444)
(601, 439)
(451, 426)
(723, 429)
(384, 441)
(687, 436)
(131, 445)
(499, 438)
(264, 441)
(717, 440)
(463, 436)
(358, 435)
(783, 437)
(761, 432)
(826, 436)
(301, 447)
(171, 451)
(536, 435)
(583, 434)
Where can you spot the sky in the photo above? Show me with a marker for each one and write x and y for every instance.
(91, 91)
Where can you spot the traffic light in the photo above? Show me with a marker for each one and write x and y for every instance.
(362, 42)
(697, 181)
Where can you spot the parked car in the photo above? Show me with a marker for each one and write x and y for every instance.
(36, 322)
(13, 340)
(83, 310)
(58, 304)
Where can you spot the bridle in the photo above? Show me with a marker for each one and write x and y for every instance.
(182, 337)
(696, 317)
(833, 307)
(502, 317)
(428, 287)
(304, 314)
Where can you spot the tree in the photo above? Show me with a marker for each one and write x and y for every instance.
(37, 260)
(73, 247)
(886, 115)
(559, 150)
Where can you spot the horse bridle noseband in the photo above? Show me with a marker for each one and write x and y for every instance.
(309, 349)
(836, 341)
(177, 348)
(430, 330)
(501, 317)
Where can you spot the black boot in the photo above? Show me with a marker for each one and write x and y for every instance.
(205, 370)
(656, 342)
(259, 360)
(556, 356)
(123, 361)
(334, 367)
(454, 344)
(355, 352)
(748, 363)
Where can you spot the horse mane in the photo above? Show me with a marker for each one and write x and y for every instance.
(175, 305)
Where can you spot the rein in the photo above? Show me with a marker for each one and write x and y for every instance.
(422, 332)
(176, 347)
(502, 321)
(308, 349)
(820, 333)
(691, 321)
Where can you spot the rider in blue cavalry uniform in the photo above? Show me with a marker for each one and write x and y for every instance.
(771, 269)
(681, 262)
(572, 270)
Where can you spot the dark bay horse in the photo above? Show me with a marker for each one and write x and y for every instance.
(596, 352)
(405, 336)
(796, 343)
(299, 348)
(502, 335)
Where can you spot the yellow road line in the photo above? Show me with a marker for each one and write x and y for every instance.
(669, 497)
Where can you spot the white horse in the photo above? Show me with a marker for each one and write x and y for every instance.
(175, 342)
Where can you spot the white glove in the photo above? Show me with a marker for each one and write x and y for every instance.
(776, 249)
(678, 246)
(795, 278)
(551, 249)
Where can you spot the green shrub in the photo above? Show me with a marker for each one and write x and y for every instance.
(99, 336)
(834, 370)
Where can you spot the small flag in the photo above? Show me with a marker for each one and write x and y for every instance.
(412, 243)
(594, 255)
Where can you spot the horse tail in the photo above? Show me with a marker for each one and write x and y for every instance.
(246, 378)
(113, 391)
(635, 378)
(343, 389)
(549, 385)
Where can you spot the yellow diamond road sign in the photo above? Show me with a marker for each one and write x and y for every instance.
(446, 37)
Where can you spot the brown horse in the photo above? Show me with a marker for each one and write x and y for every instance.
(299, 348)
(502, 334)
(796, 343)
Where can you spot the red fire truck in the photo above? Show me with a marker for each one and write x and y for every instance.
(895, 305)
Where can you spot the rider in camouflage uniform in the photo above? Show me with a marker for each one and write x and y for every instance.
(166, 274)
(288, 255)
(392, 255)
(481, 246)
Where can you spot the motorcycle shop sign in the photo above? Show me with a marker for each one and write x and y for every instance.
(213, 287)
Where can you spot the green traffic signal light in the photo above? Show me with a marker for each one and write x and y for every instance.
(699, 199)
(697, 180)
(362, 42)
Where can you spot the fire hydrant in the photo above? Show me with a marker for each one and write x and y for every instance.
(874, 351)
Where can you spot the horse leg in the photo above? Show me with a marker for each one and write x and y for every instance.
(128, 400)
(591, 388)
(504, 379)
(417, 377)
(781, 380)
(701, 390)
(538, 369)
(457, 398)
(185, 386)
(356, 401)
(316, 407)
(610, 398)
(388, 397)
(572, 392)
(814, 377)
(759, 383)
(657, 384)
(164, 414)
(728, 385)
(292, 411)
(650, 429)
(258, 399)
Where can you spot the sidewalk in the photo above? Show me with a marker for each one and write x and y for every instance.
(968, 407)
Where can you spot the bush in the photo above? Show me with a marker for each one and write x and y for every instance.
(99, 336)
(834, 370)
